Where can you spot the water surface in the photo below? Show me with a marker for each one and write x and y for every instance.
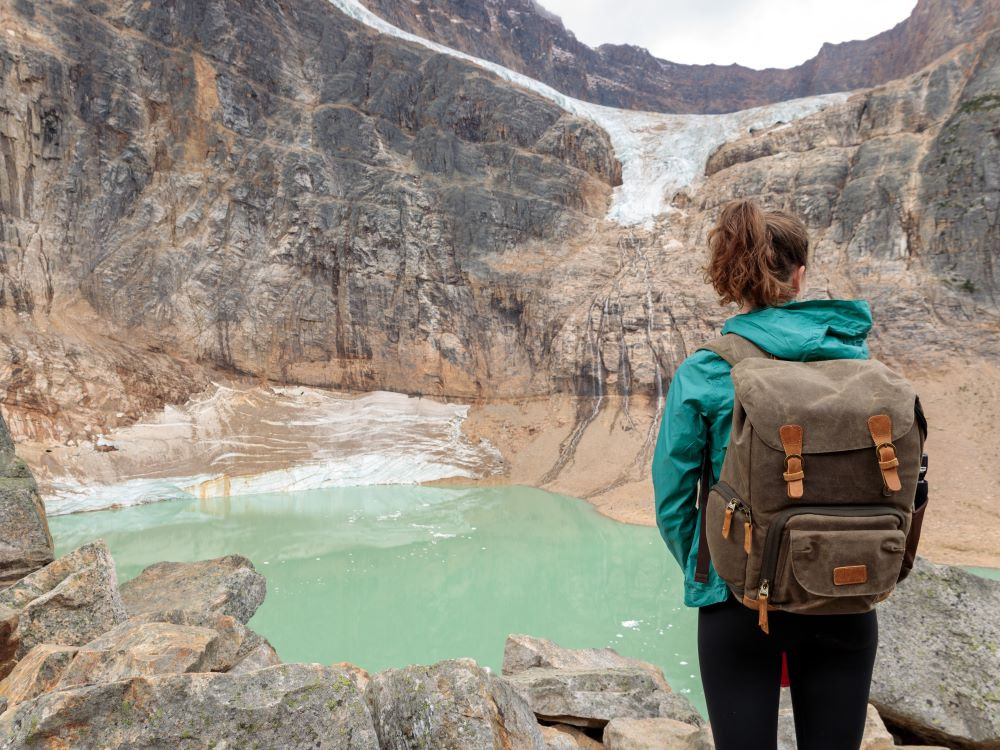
(385, 576)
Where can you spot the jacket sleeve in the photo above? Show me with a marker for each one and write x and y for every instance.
(677, 460)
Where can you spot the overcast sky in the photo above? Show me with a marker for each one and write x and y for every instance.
(755, 33)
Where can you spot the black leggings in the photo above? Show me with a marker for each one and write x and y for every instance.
(830, 661)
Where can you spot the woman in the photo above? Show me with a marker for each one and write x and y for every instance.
(758, 260)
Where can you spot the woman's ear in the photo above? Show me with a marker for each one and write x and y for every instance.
(799, 279)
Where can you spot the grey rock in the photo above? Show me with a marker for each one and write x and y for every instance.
(522, 652)
(227, 586)
(25, 541)
(293, 706)
(451, 705)
(939, 657)
(655, 734)
(566, 737)
(143, 650)
(68, 602)
(593, 697)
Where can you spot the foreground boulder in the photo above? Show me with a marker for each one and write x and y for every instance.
(227, 586)
(589, 686)
(939, 657)
(68, 602)
(25, 541)
(523, 652)
(655, 734)
(593, 697)
(451, 705)
(290, 706)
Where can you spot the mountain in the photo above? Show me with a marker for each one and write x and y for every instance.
(522, 35)
(196, 193)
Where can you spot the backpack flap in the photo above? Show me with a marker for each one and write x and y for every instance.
(831, 400)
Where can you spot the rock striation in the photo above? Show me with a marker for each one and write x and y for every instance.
(522, 35)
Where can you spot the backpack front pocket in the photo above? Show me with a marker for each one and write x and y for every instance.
(846, 563)
(816, 556)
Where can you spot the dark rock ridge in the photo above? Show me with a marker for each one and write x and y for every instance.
(525, 37)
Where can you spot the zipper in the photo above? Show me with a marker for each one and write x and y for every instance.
(732, 506)
(762, 593)
(772, 544)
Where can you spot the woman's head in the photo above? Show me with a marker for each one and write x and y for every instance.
(756, 255)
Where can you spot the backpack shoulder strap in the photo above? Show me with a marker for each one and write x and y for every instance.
(734, 349)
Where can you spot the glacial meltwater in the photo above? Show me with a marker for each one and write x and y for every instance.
(389, 575)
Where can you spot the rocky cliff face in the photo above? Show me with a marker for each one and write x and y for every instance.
(191, 193)
(284, 193)
(522, 35)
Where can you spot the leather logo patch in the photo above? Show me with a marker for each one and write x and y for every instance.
(850, 574)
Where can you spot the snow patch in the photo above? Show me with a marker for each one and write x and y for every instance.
(257, 440)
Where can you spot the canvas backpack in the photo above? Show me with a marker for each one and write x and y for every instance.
(814, 501)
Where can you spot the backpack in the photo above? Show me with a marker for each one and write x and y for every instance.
(814, 501)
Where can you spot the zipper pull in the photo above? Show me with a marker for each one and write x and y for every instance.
(747, 536)
(727, 522)
(762, 607)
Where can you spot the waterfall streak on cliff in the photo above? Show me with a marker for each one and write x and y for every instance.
(660, 154)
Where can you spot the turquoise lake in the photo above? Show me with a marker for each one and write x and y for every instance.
(385, 576)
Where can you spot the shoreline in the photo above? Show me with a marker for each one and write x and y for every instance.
(602, 455)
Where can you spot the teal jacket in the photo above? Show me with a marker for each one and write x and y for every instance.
(699, 412)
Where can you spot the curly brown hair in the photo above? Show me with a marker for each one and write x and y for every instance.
(753, 254)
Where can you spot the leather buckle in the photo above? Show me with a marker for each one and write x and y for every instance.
(791, 456)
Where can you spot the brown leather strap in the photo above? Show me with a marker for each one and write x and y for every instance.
(880, 427)
(791, 441)
(704, 556)
(733, 348)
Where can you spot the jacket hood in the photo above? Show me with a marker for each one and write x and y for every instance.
(809, 330)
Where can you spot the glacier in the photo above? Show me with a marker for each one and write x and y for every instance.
(661, 154)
